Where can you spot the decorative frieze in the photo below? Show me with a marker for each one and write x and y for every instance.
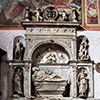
(51, 31)
(51, 14)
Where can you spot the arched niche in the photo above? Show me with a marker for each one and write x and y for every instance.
(56, 65)
(18, 79)
(18, 45)
(50, 53)
(83, 47)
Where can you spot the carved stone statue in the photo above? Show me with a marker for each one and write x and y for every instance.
(64, 15)
(47, 80)
(19, 50)
(18, 81)
(75, 16)
(83, 50)
(83, 83)
(27, 14)
(40, 75)
(51, 58)
(37, 13)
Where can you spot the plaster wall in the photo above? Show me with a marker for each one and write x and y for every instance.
(6, 43)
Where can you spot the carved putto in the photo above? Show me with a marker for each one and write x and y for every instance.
(83, 49)
(18, 81)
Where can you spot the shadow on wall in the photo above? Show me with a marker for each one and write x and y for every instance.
(3, 74)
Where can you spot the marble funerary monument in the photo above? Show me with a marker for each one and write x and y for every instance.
(51, 62)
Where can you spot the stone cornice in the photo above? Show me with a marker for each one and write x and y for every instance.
(26, 24)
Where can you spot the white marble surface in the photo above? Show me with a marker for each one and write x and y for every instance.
(6, 43)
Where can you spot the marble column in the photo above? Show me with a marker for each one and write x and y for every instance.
(73, 92)
(27, 80)
(91, 82)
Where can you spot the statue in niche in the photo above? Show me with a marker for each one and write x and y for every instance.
(44, 80)
(19, 50)
(83, 50)
(18, 82)
(83, 83)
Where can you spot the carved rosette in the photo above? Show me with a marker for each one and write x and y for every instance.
(50, 13)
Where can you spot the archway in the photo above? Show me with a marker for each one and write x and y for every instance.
(51, 59)
(47, 50)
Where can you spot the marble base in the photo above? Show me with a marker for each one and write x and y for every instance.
(49, 98)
